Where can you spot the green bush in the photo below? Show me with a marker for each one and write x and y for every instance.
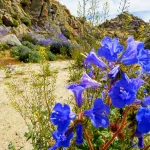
(1, 22)
(17, 50)
(64, 48)
(4, 46)
(50, 56)
(34, 57)
(15, 23)
(25, 54)
(26, 21)
(36, 47)
(28, 37)
(28, 44)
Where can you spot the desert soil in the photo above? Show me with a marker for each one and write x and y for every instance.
(12, 125)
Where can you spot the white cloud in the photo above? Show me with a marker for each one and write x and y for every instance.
(135, 6)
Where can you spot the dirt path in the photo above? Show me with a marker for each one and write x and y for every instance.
(12, 125)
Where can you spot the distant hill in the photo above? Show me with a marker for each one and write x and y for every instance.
(119, 22)
(24, 15)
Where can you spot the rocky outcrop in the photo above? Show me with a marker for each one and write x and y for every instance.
(15, 12)
(124, 20)
(10, 39)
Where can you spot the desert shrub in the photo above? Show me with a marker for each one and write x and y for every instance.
(15, 16)
(26, 21)
(50, 56)
(15, 23)
(1, 22)
(33, 98)
(15, 51)
(28, 44)
(34, 57)
(23, 53)
(64, 48)
(28, 37)
(4, 46)
(36, 47)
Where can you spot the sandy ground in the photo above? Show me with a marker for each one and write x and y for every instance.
(12, 125)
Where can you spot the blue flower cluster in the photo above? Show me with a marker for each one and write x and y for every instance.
(61, 117)
(122, 91)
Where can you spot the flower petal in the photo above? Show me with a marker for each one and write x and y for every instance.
(147, 100)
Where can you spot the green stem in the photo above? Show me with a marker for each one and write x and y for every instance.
(121, 127)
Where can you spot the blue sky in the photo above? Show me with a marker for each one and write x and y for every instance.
(140, 8)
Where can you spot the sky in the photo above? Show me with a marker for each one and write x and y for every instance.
(139, 8)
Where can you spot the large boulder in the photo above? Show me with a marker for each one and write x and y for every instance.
(10, 39)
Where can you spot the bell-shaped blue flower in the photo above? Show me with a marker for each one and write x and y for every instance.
(124, 91)
(143, 57)
(61, 116)
(99, 114)
(92, 58)
(143, 119)
(129, 56)
(61, 140)
(113, 73)
(79, 137)
(88, 81)
(135, 53)
(110, 48)
(77, 89)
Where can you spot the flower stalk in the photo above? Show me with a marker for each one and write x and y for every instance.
(147, 147)
(88, 140)
(121, 127)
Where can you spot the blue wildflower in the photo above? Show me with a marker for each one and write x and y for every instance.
(143, 57)
(93, 59)
(98, 113)
(61, 140)
(61, 116)
(124, 91)
(110, 48)
(45, 42)
(77, 89)
(91, 73)
(140, 138)
(143, 119)
(113, 73)
(135, 53)
(89, 68)
(79, 137)
(129, 56)
(88, 81)
(62, 37)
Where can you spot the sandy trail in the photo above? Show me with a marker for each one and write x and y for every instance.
(12, 125)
